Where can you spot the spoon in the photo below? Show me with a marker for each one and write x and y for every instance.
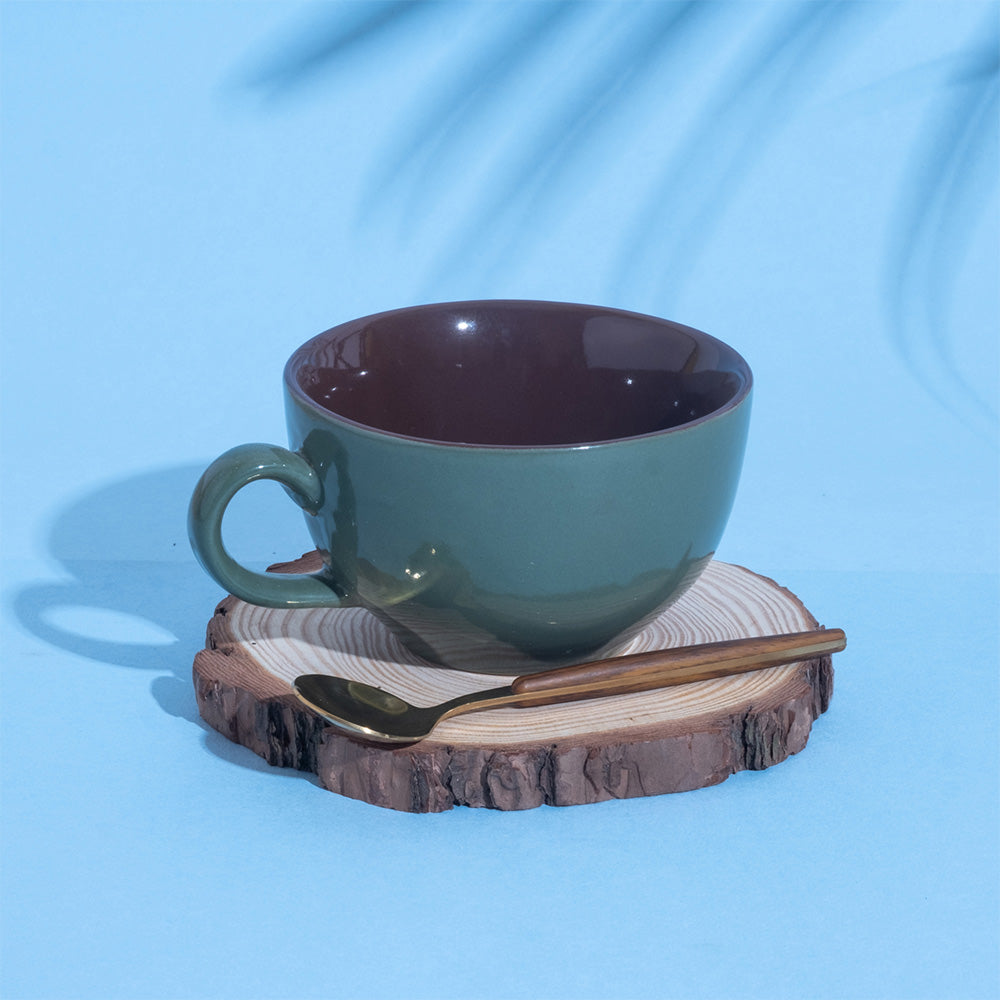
(382, 717)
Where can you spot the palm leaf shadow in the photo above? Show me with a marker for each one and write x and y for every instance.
(953, 174)
(531, 184)
(336, 31)
(428, 137)
(700, 174)
(612, 84)
(731, 134)
(695, 184)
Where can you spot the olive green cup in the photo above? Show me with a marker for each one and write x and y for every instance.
(508, 486)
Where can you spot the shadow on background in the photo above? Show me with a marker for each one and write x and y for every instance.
(950, 182)
(132, 577)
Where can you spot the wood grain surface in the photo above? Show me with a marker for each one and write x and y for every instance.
(646, 743)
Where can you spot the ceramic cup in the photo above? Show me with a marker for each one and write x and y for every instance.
(509, 486)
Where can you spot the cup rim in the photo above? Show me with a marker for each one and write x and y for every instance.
(303, 351)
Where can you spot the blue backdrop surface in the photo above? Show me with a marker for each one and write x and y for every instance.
(189, 191)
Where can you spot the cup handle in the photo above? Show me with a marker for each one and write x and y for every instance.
(220, 482)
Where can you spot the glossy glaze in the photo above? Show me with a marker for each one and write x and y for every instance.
(516, 374)
(501, 489)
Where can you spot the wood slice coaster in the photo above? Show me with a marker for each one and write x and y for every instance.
(648, 743)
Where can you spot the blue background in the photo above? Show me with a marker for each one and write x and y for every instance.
(190, 190)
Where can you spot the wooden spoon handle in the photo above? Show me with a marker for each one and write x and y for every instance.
(667, 667)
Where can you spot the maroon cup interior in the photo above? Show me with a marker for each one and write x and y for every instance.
(518, 373)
